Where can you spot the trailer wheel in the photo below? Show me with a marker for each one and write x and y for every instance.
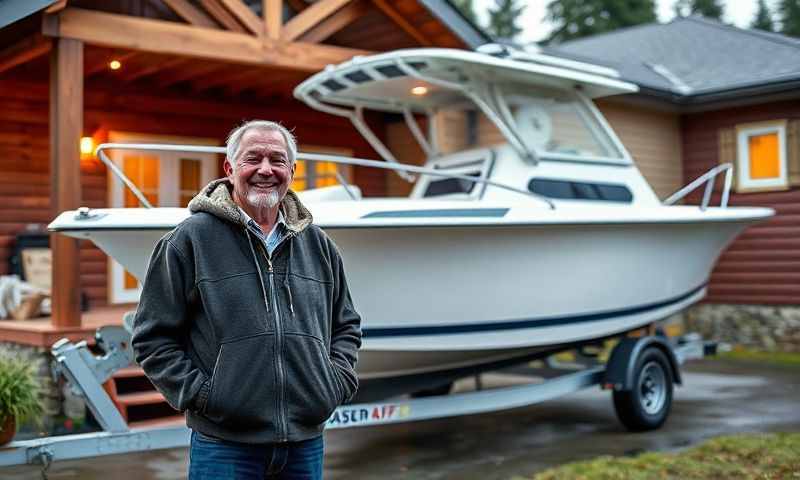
(646, 406)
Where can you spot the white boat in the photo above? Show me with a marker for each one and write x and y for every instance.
(545, 239)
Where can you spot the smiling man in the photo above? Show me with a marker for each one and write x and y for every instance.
(245, 320)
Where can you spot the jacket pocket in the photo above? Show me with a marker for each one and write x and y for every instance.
(243, 391)
(313, 391)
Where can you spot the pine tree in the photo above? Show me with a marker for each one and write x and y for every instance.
(706, 8)
(503, 19)
(582, 18)
(467, 9)
(789, 13)
(763, 19)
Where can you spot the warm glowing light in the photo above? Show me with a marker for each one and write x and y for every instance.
(114, 64)
(87, 146)
(419, 90)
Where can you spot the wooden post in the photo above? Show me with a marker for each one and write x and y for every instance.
(66, 126)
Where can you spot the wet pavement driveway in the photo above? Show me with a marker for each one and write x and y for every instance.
(717, 398)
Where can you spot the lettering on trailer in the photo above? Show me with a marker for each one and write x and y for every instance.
(352, 416)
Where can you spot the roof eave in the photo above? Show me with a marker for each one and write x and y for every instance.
(721, 98)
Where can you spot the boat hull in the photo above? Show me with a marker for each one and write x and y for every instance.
(437, 299)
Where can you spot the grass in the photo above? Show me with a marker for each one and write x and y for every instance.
(747, 456)
(786, 359)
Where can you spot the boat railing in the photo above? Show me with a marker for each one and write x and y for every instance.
(709, 179)
(312, 157)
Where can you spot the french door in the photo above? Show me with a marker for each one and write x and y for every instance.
(167, 179)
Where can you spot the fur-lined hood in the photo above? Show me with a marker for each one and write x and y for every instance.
(216, 199)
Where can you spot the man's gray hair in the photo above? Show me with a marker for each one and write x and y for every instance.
(235, 138)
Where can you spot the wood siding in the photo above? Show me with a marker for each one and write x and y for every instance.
(25, 184)
(762, 265)
(654, 141)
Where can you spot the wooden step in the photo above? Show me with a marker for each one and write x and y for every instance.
(173, 421)
(128, 372)
(140, 398)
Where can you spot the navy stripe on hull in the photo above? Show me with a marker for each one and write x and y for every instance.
(526, 323)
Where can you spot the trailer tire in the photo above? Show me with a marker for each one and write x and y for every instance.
(647, 404)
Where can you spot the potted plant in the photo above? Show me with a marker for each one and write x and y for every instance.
(19, 396)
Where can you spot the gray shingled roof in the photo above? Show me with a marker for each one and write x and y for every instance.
(691, 56)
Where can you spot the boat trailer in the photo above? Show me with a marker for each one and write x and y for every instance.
(640, 369)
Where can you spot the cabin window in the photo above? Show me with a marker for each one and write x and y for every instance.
(308, 175)
(761, 157)
(568, 190)
(451, 185)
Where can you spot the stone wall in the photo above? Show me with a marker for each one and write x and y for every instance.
(64, 412)
(758, 327)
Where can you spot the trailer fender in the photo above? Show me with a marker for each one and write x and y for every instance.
(621, 365)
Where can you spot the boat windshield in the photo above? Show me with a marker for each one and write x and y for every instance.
(556, 127)
(560, 127)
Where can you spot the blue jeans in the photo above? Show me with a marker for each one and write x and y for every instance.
(218, 459)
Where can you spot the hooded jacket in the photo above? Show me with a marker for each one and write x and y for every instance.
(253, 348)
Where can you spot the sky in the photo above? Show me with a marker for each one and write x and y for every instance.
(737, 12)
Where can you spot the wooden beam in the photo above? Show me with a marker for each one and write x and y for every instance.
(345, 16)
(158, 36)
(189, 71)
(220, 14)
(24, 51)
(400, 20)
(190, 13)
(149, 68)
(273, 18)
(311, 16)
(246, 16)
(66, 127)
(223, 77)
(264, 82)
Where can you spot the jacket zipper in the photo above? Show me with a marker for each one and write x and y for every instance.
(282, 414)
(278, 350)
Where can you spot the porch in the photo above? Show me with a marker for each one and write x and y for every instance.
(77, 70)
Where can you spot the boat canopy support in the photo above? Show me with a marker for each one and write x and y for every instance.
(709, 179)
(312, 157)
(489, 98)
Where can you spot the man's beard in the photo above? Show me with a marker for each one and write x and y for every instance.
(261, 201)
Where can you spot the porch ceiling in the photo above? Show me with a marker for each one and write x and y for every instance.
(222, 48)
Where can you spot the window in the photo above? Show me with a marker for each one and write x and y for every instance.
(471, 163)
(451, 185)
(309, 175)
(167, 179)
(567, 190)
(761, 157)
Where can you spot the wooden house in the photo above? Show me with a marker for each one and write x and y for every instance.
(76, 73)
(722, 95)
(85, 72)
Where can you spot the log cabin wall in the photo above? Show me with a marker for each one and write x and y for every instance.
(24, 152)
(762, 265)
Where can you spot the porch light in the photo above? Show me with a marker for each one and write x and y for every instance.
(114, 64)
(87, 146)
(419, 90)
